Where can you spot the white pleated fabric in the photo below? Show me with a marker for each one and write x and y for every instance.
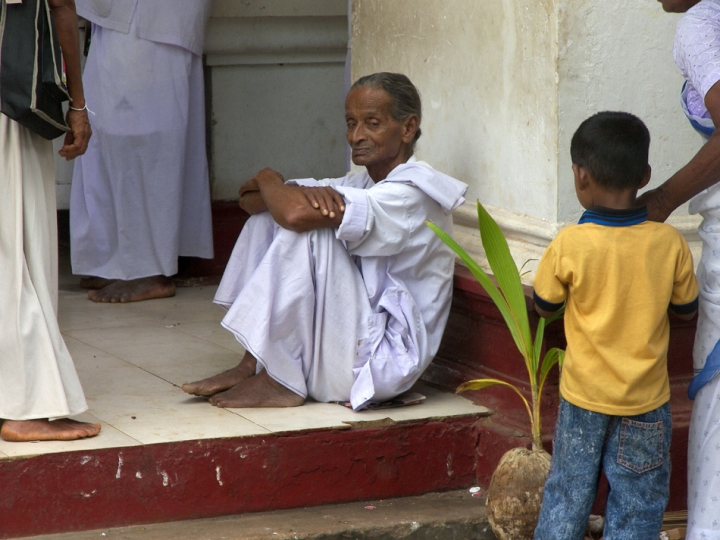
(37, 375)
(140, 196)
(697, 54)
(355, 313)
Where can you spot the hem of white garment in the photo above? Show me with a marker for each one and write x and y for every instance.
(243, 341)
(102, 275)
(696, 533)
(51, 416)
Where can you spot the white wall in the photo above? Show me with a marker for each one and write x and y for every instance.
(277, 85)
(506, 82)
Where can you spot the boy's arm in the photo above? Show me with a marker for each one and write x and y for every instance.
(684, 299)
(685, 311)
(543, 308)
(549, 290)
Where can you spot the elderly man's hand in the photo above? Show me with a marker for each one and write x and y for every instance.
(77, 139)
(325, 199)
(658, 204)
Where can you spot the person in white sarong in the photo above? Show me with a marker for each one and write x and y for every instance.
(140, 196)
(336, 288)
(38, 381)
(697, 54)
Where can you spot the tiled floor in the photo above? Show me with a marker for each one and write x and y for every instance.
(132, 358)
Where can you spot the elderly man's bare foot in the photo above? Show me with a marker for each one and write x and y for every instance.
(94, 282)
(260, 390)
(134, 290)
(222, 381)
(64, 429)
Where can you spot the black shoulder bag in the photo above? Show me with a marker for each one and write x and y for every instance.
(31, 84)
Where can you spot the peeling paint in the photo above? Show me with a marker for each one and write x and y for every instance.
(217, 475)
(449, 465)
(138, 474)
(165, 477)
(120, 464)
(85, 459)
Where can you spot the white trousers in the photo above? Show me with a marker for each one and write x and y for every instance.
(37, 375)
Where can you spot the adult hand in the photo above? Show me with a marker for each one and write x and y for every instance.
(325, 199)
(658, 204)
(77, 139)
(249, 186)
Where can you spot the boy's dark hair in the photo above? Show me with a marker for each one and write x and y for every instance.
(613, 147)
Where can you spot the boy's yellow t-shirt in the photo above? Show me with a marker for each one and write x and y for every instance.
(619, 274)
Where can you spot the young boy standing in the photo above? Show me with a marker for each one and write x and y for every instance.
(617, 275)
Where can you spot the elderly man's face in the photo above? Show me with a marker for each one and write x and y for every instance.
(376, 139)
(678, 6)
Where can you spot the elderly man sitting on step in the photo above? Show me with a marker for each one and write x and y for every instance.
(336, 288)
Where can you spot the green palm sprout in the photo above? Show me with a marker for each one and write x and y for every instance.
(510, 300)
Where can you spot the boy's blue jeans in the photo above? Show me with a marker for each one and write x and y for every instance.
(633, 451)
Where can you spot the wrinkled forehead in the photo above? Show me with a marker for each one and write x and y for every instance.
(368, 101)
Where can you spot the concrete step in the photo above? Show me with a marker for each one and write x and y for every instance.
(453, 515)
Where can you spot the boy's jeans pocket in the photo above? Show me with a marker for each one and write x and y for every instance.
(640, 445)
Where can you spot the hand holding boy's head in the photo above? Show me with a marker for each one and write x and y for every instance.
(610, 159)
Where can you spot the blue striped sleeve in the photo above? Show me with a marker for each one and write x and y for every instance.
(545, 305)
(685, 309)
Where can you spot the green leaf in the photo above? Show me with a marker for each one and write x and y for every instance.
(479, 384)
(486, 283)
(507, 275)
(537, 348)
(555, 316)
(554, 356)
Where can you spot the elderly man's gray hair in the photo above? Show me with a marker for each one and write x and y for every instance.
(405, 98)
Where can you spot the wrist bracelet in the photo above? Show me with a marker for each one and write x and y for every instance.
(85, 108)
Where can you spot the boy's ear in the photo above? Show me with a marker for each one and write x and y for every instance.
(582, 177)
(646, 178)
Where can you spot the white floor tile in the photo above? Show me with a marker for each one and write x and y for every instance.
(132, 358)
(109, 437)
(214, 333)
(217, 423)
(315, 415)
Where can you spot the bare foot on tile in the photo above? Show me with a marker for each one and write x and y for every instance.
(64, 429)
(134, 290)
(260, 390)
(225, 380)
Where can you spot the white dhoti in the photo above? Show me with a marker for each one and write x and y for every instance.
(354, 313)
(140, 196)
(298, 304)
(37, 375)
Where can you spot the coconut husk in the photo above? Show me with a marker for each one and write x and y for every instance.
(515, 493)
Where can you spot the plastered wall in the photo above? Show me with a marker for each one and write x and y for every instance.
(506, 82)
(486, 73)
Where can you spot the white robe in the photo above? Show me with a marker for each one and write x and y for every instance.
(355, 313)
(140, 196)
(37, 375)
(697, 54)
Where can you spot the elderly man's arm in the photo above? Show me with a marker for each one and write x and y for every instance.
(701, 172)
(66, 23)
(296, 208)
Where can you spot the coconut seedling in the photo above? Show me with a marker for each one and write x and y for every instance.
(515, 491)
